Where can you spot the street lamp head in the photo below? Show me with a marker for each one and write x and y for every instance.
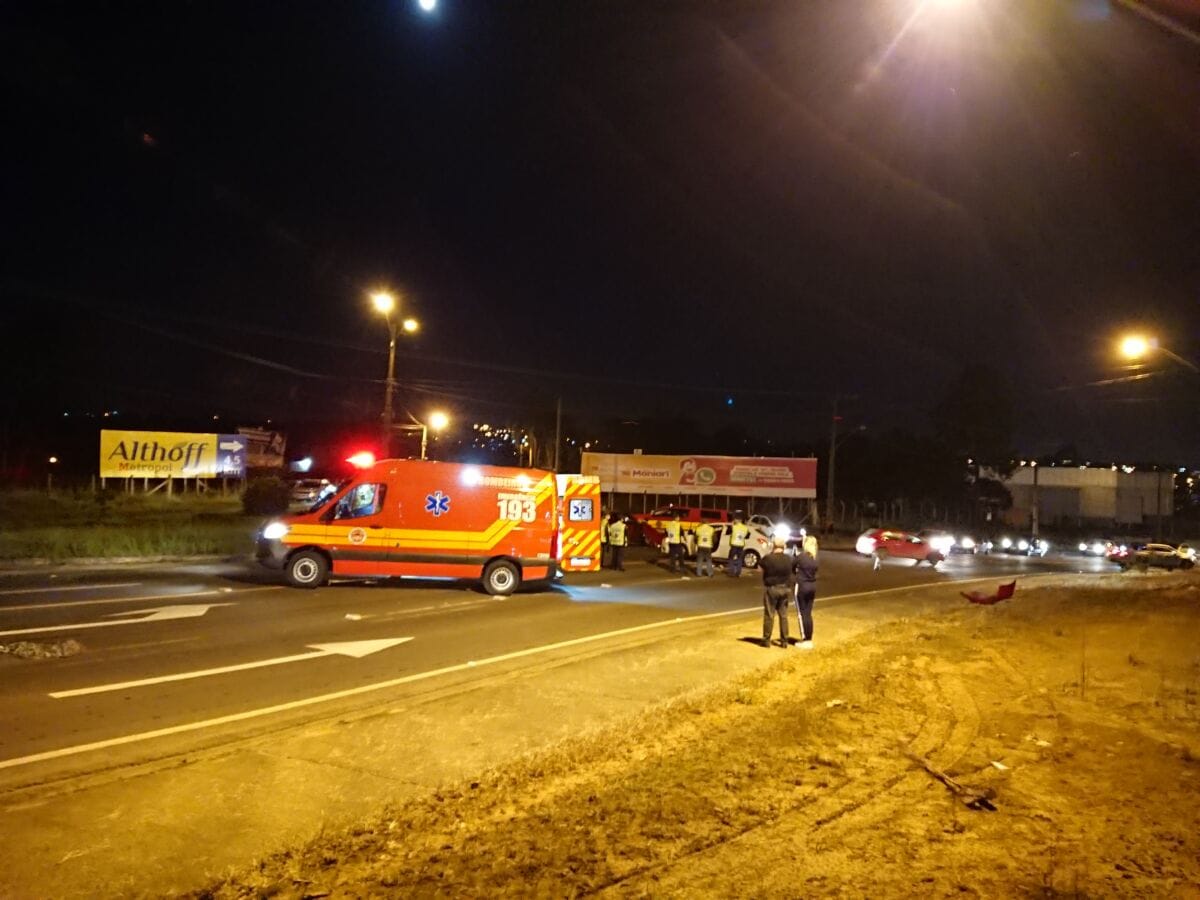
(384, 302)
(438, 420)
(410, 325)
(1135, 346)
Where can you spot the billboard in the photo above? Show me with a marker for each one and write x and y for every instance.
(171, 454)
(264, 448)
(723, 476)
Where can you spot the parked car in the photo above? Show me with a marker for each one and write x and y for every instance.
(882, 543)
(652, 525)
(308, 491)
(1153, 556)
(758, 545)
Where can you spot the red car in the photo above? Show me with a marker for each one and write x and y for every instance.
(882, 543)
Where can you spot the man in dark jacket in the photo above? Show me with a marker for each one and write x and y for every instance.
(777, 590)
(805, 568)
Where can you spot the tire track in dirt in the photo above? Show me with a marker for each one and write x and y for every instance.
(949, 723)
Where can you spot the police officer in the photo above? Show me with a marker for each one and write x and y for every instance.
(739, 533)
(704, 549)
(617, 538)
(675, 543)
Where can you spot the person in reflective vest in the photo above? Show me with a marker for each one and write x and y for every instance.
(739, 533)
(617, 539)
(704, 549)
(675, 543)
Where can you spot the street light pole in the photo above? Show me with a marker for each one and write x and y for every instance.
(833, 442)
(386, 304)
(389, 392)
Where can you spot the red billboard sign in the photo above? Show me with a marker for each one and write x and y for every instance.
(732, 476)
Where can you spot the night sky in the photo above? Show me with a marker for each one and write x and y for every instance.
(648, 209)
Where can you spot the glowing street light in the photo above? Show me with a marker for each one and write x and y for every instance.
(1137, 346)
(437, 421)
(427, 6)
(386, 304)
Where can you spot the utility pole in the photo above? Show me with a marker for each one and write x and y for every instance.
(557, 431)
(1033, 512)
(829, 496)
(388, 415)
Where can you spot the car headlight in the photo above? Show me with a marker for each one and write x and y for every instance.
(1005, 543)
(967, 543)
(1022, 544)
(274, 531)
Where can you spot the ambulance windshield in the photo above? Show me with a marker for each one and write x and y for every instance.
(328, 493)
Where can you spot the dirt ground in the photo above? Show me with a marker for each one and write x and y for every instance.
(1048, 746)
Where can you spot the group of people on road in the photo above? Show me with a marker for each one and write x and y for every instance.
(614, 538)
(704, 534)
(785, 575)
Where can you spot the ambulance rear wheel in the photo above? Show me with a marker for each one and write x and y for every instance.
(307, 569)
(501, 578)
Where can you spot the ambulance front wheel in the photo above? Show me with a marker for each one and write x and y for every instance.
(501, 578)
(307, 569)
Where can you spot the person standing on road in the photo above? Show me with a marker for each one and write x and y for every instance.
(604, 539)
(675, 543)
(617, 537)
(777, 590)
(704, 549)
(805, 568)
(739, 532)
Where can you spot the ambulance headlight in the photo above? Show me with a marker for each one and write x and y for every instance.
(274, 531)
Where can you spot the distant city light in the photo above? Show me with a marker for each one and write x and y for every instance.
(303, 465)
(53, 459)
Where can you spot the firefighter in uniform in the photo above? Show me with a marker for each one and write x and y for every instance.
(704, 549)
(739, 533)
(617, 540)
(675, 543)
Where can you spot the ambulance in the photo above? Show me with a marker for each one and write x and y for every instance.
(579, 525)
(415, 519)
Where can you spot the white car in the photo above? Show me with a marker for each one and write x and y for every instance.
(758, 544)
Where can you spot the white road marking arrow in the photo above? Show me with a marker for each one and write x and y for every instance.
(182, 611)
(356, 649)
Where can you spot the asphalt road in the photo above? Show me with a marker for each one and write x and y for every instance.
(152, 636)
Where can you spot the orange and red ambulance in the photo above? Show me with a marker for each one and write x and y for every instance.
(579, 529)
(416, 519)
